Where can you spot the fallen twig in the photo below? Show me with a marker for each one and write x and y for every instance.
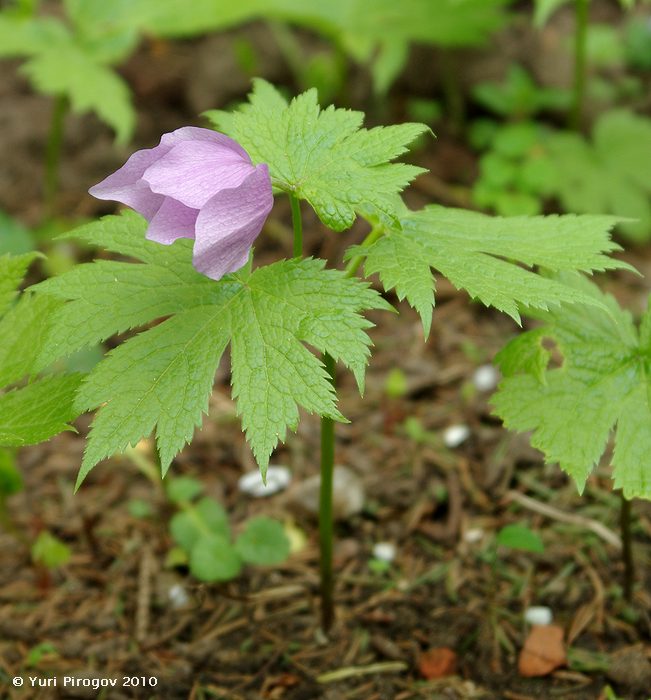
(595, 526)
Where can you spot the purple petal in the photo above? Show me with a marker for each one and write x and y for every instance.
(229, 223)
(125, 184)
(173, 220)
(194, 171)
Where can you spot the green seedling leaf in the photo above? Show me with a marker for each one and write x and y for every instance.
(602, 387)
(519, 96)
(37, 653)
(490, 257)
(205, 518)
(520, 537)
(138, 508)
(161, 379)
(263, 542)
(213, 558)
(323, 156)
(183, 489)
(49, 551)
(11, 480)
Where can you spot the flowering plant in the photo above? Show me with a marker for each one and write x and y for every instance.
(203, 186)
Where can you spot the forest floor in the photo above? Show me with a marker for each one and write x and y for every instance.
(109, 613)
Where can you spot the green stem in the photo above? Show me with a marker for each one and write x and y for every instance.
(355, 263)
(627, 548)
(297, 223)
(452, 91)
(53, 154)
(326, 520)
(580, 62)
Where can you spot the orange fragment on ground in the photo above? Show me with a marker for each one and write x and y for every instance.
(437, 663)
(543, 651)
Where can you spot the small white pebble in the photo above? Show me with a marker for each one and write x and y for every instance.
(178, 596)
(473, 535)
(485, 378)
(455, 435)
(384, 551)
(538, 615)
(278, 478)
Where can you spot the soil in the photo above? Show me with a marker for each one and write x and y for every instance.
(108, 613)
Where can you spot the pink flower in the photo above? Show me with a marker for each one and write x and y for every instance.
(196, 184)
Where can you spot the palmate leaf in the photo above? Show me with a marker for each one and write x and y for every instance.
(42, 408)
(322, 156)
(602, 386)
(161, 379)
(489, 257)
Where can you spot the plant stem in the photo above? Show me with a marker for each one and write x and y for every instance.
(297, 223)
(580, 62)
(326, 521)
(627, 547)
(53, 154)
(355, 263)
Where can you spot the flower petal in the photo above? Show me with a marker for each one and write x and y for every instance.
(125, 184)
(173, 220)
(229, 223)
(194, 171)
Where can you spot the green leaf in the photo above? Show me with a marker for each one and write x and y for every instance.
(14, 237)
(70, 71)
(601, 387)
(609, 174)
(213, 558)
(323, 156)
(27, 37)
(50, 551)
(545, 9)
(207, 517)
(161, 379)
(38, 411)
(489, 257)
(11, 480)
(12, 271)
(23, 331)
(520, 537)
(263, 542)
(43, 408)
(183, 489)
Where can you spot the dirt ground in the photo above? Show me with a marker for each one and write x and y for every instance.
(108, 613)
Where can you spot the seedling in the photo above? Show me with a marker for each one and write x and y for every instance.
(202, 531)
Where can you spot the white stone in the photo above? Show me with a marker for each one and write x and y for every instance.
(455, 435)
(347, 493)
(178, 597)
(485, 378)
(385, 551)
(473, 535)
(538, 615)
(278, 478)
